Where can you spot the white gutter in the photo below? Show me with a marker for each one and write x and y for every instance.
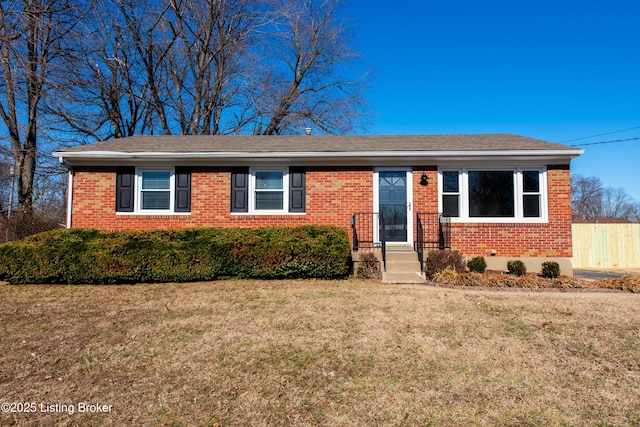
(228, 155)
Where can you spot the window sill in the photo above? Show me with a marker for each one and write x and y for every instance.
(268, 213)
(157, 213)
(499, 220)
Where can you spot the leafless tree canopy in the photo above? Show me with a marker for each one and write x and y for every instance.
(213, 67)
(590, 200)
(74, 73)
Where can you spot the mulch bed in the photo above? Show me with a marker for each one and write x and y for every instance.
(493, 280)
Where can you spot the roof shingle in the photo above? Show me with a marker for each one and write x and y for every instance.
(303, 143)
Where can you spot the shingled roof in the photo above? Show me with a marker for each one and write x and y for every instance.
(301, 146)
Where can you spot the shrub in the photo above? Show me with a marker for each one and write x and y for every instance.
(437, 261)
(99, 257)
(21, 225)
(516, 267)
(477, 264)
(369, 267)
(550, 269)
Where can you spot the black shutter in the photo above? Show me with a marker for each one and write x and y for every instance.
(125, 188)
(297, 189)
(240, 190)
(182, 189)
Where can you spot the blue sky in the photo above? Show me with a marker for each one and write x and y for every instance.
(554, 70)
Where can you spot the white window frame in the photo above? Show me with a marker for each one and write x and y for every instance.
(518, 194)
(285, 191)
(138, 195)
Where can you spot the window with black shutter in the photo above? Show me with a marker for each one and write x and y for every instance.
(269, 190)
(153, 190)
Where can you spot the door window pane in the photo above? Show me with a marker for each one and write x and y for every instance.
(393, 204)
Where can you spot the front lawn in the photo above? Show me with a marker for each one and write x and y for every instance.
(309, 353)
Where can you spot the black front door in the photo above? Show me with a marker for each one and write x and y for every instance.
(393, 204)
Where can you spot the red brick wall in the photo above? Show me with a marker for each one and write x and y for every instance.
(332, 197)
(333, 194)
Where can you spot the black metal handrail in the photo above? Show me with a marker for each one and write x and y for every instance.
(433, 231)
(363, 226)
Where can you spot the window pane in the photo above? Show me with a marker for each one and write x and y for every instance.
(156, 200)
(531, 206)
(450, 182)
(531, 181)
(269, 180)
(157, 180)
(450, 205)
(491, 194)
(269, 200)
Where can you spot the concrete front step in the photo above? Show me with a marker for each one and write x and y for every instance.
(402, 267)
(405, 277)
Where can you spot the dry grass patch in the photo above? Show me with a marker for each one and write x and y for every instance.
(306, 353)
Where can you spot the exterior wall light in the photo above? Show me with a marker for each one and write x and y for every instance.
(424, 181)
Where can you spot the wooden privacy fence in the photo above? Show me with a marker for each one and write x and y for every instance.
(606, 245)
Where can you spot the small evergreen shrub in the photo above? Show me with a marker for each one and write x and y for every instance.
(97, 257)
(550, 269)
(516, 267)
(477, 264)
(438, 261)
(369, 267)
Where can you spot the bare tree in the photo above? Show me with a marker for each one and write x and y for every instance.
(310, 78)
(32, 54)
(590, 199)
(210, 63)
(214, 67)
(616, 203)
(586, 196)
(113, 92)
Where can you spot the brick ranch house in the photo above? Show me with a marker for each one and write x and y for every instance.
(500, 196)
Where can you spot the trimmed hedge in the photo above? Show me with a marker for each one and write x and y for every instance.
(99, 257)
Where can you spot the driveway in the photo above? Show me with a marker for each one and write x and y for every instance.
(605, 273)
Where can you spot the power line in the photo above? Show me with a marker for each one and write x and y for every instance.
(603, 142)
(600, 134)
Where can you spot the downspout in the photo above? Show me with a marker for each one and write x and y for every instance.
(69, 191)
(69, 198)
